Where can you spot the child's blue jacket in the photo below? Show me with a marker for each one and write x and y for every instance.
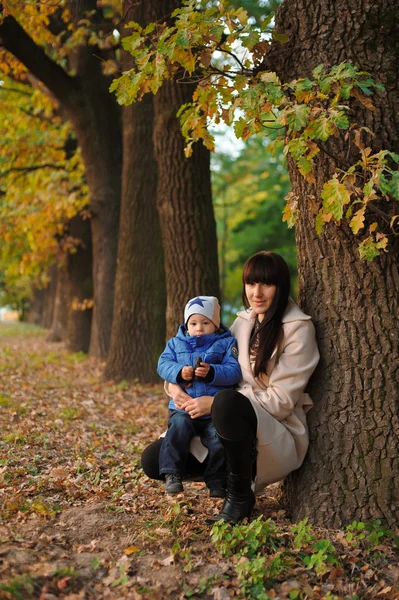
(217, 349)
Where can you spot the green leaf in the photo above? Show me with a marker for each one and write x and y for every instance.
(280, 37)
(266, 21)
(343, 71)
(297, 116)
(296, 147)
(368, 249)
(239, 127)
(335, 195)
(183, 38)
(394, 185)
(305, 165)
(320, 129)
(251, 39)
(393, 155)
(318, 71)
(132, 42)
(340, 119)
(346, 88)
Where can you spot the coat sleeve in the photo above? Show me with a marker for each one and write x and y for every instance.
(292, 371)
(228, 372)
(168, 367)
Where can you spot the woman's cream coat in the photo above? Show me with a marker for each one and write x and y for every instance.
(279, 400)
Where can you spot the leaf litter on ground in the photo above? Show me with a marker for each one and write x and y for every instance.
(80, 520)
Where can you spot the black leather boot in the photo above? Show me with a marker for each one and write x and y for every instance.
(240, 498)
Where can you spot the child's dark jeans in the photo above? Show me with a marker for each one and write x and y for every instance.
(176, 446)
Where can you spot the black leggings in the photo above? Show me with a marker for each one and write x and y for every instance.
(233, 418)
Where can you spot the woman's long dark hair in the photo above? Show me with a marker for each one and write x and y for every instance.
(271, 269)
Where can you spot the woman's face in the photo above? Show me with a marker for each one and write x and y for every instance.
(260, 296)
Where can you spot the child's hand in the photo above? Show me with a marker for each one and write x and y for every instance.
(187, 373)
(203, 370)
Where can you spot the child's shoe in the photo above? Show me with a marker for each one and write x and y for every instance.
(173, 484)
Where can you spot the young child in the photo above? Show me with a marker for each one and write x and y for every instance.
(202, 358)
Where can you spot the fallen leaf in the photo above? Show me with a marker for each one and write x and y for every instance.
(131, 550)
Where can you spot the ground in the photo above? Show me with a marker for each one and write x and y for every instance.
(80, 520)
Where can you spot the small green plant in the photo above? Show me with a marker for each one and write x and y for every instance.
(5, 401)
(322, 556)
(123, 579)
(20, 588)
(246, 540)
(61, 572)
(174, 516)
(204, 586)
(76, 357)
(251, 575)
(369, 535)
(68, 414)
(15, 437)
(183, 555)
(123, 385)
(303, 535)
(96, 563)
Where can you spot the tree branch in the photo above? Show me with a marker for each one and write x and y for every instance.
(15, 39)
(32, 168)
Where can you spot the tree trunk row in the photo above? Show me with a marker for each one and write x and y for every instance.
(65, 305)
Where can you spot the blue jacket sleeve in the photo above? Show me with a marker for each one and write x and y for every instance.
(168, 367)
(229, 371)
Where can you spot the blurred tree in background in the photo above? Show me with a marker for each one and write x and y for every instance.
(249, 193)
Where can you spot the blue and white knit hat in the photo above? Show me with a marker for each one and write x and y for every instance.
(203, 305)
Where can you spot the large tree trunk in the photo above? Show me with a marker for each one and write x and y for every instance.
(97, 121)
(351, 471)
(80, 287)
(58, 329)
(49, 297)
(138, 331)
(184, 201)
(34, 312)
(98, 129)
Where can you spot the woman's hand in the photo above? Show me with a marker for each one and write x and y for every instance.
(198, 407)
(179, 396)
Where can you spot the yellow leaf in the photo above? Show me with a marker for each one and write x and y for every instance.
(357, 222)
(131, 550)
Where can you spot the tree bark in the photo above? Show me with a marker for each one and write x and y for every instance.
(138, 331)
(34, 312)
(80, 287)
(350, 472)
(61, 307)
(184, 200)
(97, 121)
(49, 298)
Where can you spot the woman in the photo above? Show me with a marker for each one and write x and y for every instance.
(262, 423)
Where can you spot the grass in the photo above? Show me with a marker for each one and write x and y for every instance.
(19, 329)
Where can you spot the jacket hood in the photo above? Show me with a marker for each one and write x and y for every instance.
(203, 340)
(292, 313)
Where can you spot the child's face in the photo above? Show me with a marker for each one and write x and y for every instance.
(199, 325)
